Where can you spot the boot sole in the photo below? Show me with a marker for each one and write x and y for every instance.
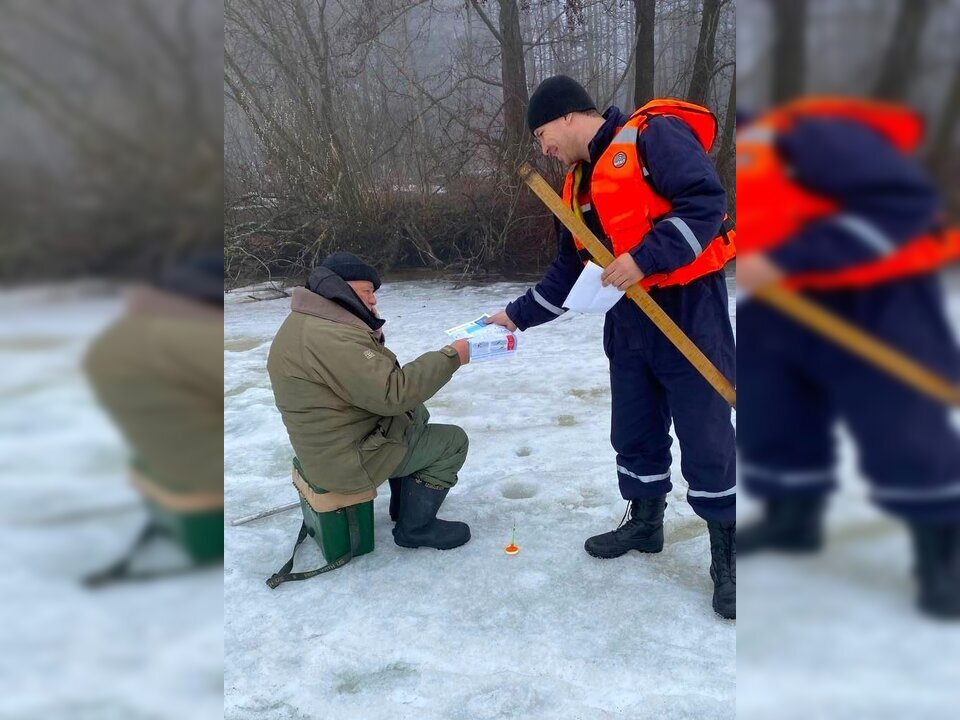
(432, 547)
(645, 550)
(781, 548)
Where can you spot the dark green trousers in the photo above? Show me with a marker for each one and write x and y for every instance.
(435, 455)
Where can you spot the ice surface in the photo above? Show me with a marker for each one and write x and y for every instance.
(471, 633)
(139, 651)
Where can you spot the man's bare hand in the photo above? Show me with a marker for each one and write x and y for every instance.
(501, 318)
(622, 273)
(463, 350)
(754, 270)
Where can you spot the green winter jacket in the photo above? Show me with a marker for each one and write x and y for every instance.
(345, 401)
(158, 372)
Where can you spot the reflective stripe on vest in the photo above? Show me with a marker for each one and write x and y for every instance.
(627, 205)
(772, 208)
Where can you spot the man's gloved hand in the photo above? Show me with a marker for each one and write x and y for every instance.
(622, 272)
(501, 318)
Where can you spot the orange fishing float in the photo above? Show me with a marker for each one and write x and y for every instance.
(512, 549)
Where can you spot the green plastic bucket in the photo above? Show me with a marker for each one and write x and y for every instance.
(200, 534)
(331, 530)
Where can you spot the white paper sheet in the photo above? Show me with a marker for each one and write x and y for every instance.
(589, 296)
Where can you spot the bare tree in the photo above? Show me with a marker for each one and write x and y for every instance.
(645, 12)
(393, 127)
(513, 72)
(790, 54)
(703, 65)
(125, 97)
(900, 62)
(946, 130)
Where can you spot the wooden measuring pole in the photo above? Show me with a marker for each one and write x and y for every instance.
(636, 293)
(859, 343)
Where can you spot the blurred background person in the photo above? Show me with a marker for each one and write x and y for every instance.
(833, 203)
(158, 372)
(847, 153)
(111, 141)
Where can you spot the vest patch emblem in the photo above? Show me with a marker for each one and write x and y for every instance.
(369, 354)
(620, 159)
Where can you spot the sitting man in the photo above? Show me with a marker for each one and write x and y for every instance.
(355, 417)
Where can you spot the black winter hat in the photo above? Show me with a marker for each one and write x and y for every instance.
(199, 278)
(349, 267)
(555, 97)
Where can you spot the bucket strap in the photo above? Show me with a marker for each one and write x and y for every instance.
(284, 575)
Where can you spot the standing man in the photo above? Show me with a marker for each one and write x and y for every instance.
(645, 185)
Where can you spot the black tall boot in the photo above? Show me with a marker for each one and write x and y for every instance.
(417, 524)
(643, 531)
(723, 568)
(792, 525)
(937, 567)
(394, 498)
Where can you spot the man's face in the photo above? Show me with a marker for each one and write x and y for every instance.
(364, 290)
(557, 140)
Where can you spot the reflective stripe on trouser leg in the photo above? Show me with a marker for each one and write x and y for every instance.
(634, 486)
(772, 482)
(920, 502)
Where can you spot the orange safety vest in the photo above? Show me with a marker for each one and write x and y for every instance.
(628, 206)
(772, 207)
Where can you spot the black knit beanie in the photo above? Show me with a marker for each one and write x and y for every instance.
(199, 278)
(349, 267)
(555, 97)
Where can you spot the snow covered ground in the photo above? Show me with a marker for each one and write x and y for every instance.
(836, 636)
(470, 633)
(139, 651)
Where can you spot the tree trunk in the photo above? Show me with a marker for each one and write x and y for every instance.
(703, 60)
(726, 155)
(789, 49)
(900, 63)
(514, 76)
(942, 142)
(643, 78)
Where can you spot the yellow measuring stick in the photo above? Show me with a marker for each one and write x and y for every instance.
(856, 341)
(636, 293)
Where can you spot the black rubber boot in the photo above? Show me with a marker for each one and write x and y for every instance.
(643, 531)
(791, 525)
(394, 498)
(937, 558)
(417, 524)
(723, 568)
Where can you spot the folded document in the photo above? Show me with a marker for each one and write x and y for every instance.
(588, 294)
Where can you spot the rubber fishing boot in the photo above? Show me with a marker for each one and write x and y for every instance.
(417, 523)
(643, 531)
(723, 568)
(790, 525)
(937, 568)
